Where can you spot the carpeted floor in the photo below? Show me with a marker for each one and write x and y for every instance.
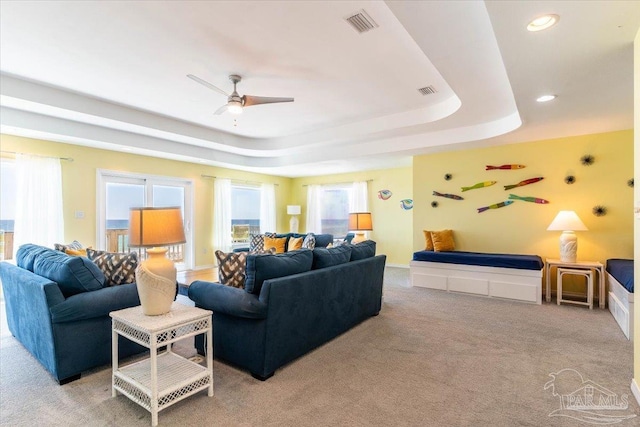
(429, 359)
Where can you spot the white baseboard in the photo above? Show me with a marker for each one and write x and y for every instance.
(635, 390)
(398, 265)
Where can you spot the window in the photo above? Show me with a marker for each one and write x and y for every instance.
(334, 214)
(245, 212)
(7, 207)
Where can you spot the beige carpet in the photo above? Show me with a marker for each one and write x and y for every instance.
(429, 359)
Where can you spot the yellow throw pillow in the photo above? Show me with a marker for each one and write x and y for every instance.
(275, 242)
(295, 243)
(442, 240)
(428, 240)
(76, 252)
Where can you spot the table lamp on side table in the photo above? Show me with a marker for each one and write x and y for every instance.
(359, 222)
(567, 222)
(156, 228)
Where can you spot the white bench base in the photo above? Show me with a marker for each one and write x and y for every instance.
(494, 282)
(621, 306)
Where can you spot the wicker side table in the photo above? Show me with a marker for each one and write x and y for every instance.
(163, 379)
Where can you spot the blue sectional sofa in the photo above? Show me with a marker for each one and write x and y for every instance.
(291, 304)
(58, 308)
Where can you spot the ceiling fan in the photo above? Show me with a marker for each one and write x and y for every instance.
(235, 102)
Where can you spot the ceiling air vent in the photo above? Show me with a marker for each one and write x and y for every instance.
(361, 21)
(427, 90)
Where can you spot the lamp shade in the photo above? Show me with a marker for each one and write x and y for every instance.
(567, 221)
(293, 209)
(151, 227)
(360, 221)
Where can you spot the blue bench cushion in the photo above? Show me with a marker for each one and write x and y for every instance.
(264, 267)
(73, 274)
(622, 271)
(520, 262)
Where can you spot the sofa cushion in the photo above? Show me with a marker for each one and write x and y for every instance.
(75, 245)
(363, 250)
(327, 257)
(256, 241)
(264, 267)
(323, 240)
(428, 241)
(443, 241)
(231, 268)
(28, 253)
(73, 275)
(118, 268)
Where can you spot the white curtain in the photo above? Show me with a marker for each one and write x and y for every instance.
(39, 216)
(267, 208)
(359, 200)
(314, 209)
(222, 214)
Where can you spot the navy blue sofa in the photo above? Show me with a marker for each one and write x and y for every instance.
(60, 312)
(291, 304)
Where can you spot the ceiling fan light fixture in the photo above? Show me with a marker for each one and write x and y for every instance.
(234, 107)
(543, 22)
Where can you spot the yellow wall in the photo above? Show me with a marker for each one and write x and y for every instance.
(636, 116)
(521, 227)
(391, 224)
(79, 187)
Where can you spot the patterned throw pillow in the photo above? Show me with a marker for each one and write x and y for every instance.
(75, 245)
(232, 267)
(256, 241)
(118, 268)
(309, 241)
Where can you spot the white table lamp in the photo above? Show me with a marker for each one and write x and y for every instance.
(156, 276)
(293, 210)
(567, 222)
(360, 222)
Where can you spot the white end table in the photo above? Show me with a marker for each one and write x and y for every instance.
(163, 379)
(585, 265)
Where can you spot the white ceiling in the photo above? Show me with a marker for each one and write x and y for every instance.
(113, 75)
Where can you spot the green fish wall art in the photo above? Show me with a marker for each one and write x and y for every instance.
(528, 199)
(495, 206)
(525, 182)
(479, 185)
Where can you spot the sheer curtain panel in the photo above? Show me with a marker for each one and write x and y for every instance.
(39, 217)
(359, 200)
(314, 209)
(222, 214)
(267, 208)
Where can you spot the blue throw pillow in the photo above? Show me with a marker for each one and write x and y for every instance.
(73, 274)
(265, 267)
(323, 257)
(363, 250)
(28, 253)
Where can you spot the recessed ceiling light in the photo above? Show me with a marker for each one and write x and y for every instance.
(546, 98)
(543, 22)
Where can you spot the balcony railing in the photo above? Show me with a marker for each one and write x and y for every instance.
(6, 245)
(118, 241)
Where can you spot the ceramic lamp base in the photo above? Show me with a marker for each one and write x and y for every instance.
(156, 282)
(359, 237)
(293, 224)
(568, 246)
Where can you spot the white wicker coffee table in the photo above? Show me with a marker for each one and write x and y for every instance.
(166, 378)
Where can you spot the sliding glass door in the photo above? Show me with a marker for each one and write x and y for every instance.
(118, 192)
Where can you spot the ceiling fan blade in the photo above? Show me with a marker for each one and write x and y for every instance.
(221, 110)
(249, 100)
(207, 84)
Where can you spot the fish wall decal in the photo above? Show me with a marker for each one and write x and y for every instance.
(528, 199)
(489, 168)
(448, 196)
(525, 182)
(479, 185)
(495, 206)
(384, 194)
(406, 204)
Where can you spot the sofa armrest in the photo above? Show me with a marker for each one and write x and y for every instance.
(226, 299)
(99, 303)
